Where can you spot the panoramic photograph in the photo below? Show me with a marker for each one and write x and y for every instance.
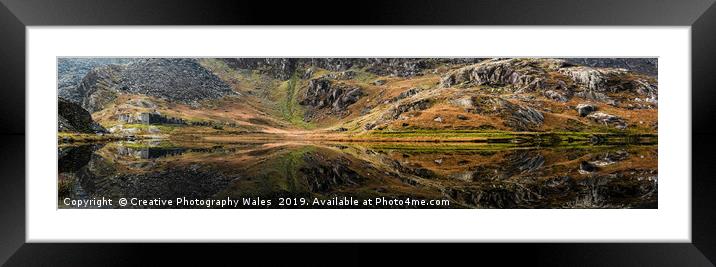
(357, 133)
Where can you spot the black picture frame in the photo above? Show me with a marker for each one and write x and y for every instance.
(15, 15)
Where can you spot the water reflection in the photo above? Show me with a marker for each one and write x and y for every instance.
(468, 175)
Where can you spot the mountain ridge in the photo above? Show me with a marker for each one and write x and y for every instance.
(230, 96)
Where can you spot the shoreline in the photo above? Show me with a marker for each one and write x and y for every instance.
(517, 138)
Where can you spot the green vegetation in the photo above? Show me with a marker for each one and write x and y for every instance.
(144, 144)
(221, 69)
(163, 128)
(318, 72)
(437, 147)
(291, 111)
(444, 133)
(364, 77)
(64, 137)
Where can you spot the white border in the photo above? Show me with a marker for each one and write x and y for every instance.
(670, 223)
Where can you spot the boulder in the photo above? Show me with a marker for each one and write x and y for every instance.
(607, 119)
(555, 95)
(585, 109)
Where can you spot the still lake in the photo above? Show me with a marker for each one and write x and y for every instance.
(459, 175)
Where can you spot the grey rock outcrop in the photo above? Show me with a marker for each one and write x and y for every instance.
(308, 73)
(401, 67)
(73, 118)
(608, 119)
(99, 87)
(648, 66)
(555, 95)
(609, 80)
(284, 68)
(343, 75)
(585, 109)
(405, 94)
(517, 117)
(395, 112)
(522, 74)
(322, 93)
(351, 96)
(556, 79)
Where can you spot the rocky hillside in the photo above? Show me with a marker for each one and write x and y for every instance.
(283, 68)
(648, 66)
(73, 118)
(554, 79)
(70, 72)
(174, 79)
(379, 95)
(496, 94)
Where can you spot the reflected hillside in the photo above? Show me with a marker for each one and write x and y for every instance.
(468, 175)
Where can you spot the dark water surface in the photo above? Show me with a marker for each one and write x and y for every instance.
(297, 174)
